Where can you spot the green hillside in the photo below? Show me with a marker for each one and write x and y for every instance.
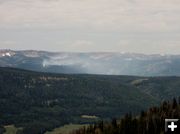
(39, 102)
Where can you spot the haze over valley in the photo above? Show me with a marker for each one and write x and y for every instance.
(108, 63)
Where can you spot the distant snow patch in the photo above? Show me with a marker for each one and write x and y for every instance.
(6, 54)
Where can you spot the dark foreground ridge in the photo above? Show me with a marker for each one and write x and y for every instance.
(150, 122)
(38, 102)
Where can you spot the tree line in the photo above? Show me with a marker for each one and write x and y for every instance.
(151, 121)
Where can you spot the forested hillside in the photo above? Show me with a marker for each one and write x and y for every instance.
(38, 102)
(150, 122)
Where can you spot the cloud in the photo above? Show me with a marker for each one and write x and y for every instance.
(82, 43)
(7, 43)
(149, 46)
(138, 15)
(92, 25)
(77, 45)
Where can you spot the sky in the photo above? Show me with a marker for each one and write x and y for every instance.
(136, 26)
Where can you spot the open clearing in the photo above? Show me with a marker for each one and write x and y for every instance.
(66, 129)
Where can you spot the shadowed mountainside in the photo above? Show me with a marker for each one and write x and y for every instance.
(43, 101)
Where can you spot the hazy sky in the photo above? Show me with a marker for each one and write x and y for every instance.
(141, 26)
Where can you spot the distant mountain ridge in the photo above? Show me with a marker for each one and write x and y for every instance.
(92, 62)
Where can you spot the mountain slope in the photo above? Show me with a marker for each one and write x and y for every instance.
(92, 63)
(45, 101)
